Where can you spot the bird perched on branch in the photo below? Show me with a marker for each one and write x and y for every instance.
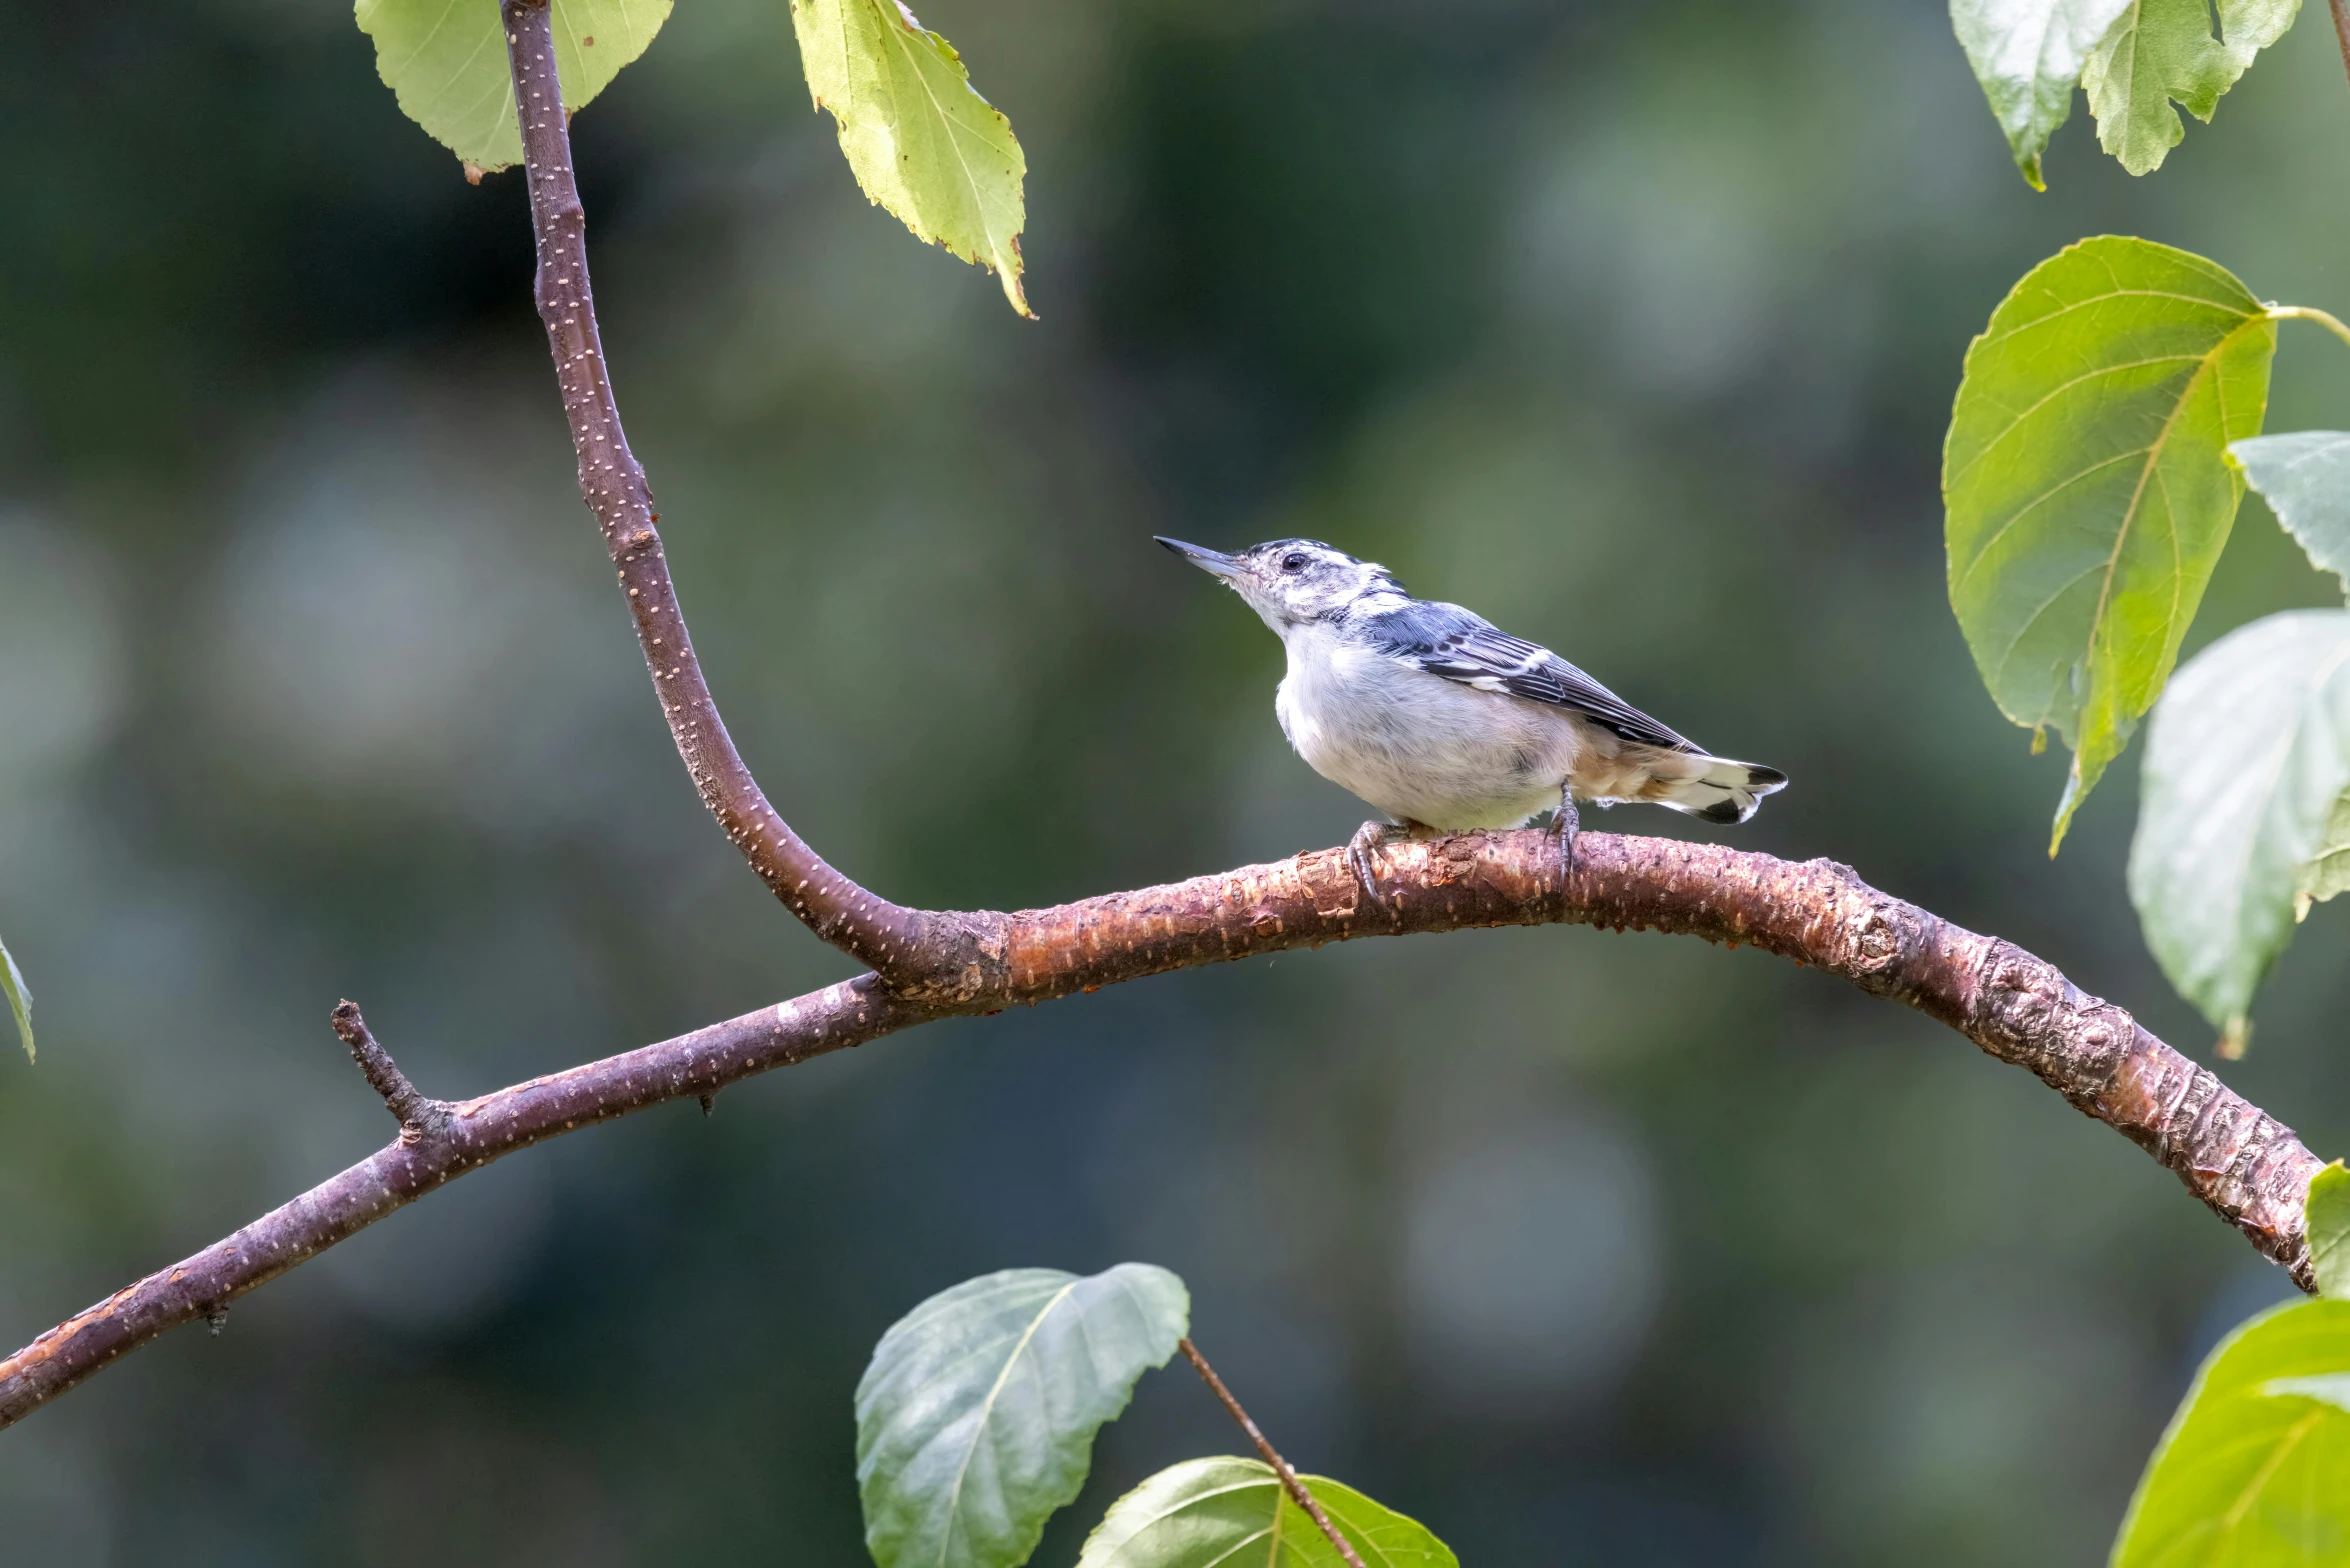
(1443, 721)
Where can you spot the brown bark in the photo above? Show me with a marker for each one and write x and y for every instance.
(871, 930)
(2244, 1165)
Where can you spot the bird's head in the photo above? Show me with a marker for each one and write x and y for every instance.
(1291, 582)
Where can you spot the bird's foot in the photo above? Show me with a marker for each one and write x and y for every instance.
(1370, 836)
(1566, 825)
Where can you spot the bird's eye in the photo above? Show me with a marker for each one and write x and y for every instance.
(1294, 561)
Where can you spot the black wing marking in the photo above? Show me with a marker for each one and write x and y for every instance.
(1460, 645)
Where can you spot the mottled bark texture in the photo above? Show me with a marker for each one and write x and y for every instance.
(871, 930)
(2243, 1164)
(936, 964)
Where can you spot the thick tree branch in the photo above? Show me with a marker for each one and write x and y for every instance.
(872, 930)
(2244, 1165)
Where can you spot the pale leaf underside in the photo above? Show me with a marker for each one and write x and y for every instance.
(976, 1418)
(2028, 55)
(2246, 764)
(2304, 476)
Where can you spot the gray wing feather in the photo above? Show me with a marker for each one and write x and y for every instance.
(1460, 645)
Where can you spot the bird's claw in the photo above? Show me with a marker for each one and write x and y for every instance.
(1566, 825)
(1358, 855)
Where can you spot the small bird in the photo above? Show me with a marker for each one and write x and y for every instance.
(1437, 717)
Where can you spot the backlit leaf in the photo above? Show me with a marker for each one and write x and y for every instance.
(2162, 50)
(2305, 479)
(2028, 55)
(920, 140)
(2247, 757)
(2254, 1470)
(976, 1419)
(20, 999)
(1218, 1513)
(2087, 487)
(445, 60)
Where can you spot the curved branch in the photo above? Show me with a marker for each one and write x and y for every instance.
(873, 930)
(2243, 1164)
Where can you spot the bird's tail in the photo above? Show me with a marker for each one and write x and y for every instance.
(1716, 788)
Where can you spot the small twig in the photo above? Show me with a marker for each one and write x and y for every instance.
(1281, 1467)
(2342, 30)
(418, 1114)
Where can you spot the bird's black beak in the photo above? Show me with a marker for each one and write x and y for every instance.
(1225, 566)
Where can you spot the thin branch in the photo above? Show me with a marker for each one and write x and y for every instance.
(1281, 1467)
(873, 930)
(419, 1115)
(2342, 30)
(2241, 1163)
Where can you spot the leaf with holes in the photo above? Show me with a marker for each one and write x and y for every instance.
(20, 999)
(1208, 1513)
(2248, 756)
(2305, 479)
(2163, 50)
(2086, 485)
(976, 1419)
(2251, 1471)
(919, 138)
(445, 60)
(2028, 55)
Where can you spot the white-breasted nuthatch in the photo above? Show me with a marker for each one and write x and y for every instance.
(1443, 721)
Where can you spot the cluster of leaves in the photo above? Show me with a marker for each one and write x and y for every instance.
(919, 138)
(2105, 429)
(2135, 58)
(2250, 1469)
(976, 1421)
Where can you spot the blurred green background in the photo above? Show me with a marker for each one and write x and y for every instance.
(1633, 325)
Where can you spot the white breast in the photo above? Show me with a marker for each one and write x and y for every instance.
(1418, 746)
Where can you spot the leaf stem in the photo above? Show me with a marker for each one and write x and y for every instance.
(2342, 30)
(2330, 322)
(1281, 1467)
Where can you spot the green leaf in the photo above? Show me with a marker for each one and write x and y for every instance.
(1206, 1513)
(2248, 754)
(976, 1419)
(2028, 55)
(2305, 479)
(20, 999)
(2087, 487)
(2250, 1472)
(2161, 50)
(920, 140)
(445, 60)
(2328, 1225)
